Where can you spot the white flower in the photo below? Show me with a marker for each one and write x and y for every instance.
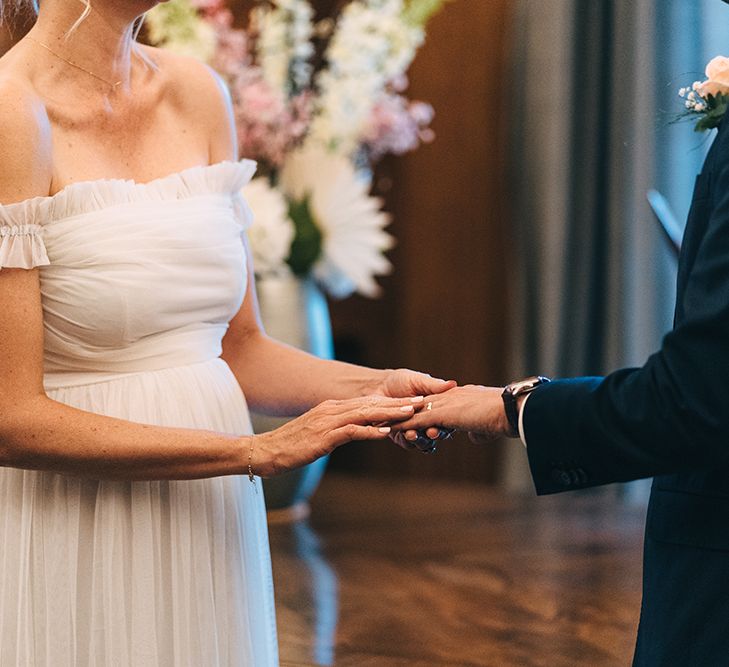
(692, 96)
(284, 44)
(272, 230)
(696, 85)
(700, 107)
(351, 221)
(689, 104)
(371, 47)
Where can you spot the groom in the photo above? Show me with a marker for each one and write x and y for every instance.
(668, 420)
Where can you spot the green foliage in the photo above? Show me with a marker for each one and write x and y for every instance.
(716, 108)
(419, 12)
(306, 247)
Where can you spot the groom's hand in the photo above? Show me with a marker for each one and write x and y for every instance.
(476, 409)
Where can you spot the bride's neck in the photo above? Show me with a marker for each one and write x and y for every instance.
(101, 43)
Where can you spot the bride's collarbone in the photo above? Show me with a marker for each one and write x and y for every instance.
(133, 143)
(118, 112)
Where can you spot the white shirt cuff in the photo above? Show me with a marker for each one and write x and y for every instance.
(521, 420)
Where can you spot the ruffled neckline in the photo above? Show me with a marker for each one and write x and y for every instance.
(226, 177)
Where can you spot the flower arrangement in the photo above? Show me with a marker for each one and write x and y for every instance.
(317, 104)
(710, 98)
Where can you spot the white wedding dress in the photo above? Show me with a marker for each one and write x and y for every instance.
(138, 283)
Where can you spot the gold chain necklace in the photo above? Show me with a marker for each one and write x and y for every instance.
(83, 69)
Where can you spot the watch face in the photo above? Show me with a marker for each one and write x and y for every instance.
(528, 384)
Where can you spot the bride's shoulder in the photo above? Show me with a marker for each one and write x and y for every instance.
(25, 139)
(187, 79)
(198, 92)
(17, 93)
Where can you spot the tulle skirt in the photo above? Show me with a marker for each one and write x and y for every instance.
(105, 573)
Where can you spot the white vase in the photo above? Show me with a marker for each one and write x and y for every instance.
(294, 311)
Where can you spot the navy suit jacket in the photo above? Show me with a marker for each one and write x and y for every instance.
(670, 420)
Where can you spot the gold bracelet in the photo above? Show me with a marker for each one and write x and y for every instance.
(251, 476)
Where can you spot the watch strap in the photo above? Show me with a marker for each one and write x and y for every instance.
(512, 412)
(511, 394)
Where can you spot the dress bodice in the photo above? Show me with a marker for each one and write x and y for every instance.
(134, 276)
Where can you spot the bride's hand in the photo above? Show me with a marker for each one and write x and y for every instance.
(403, 382)
(324, 428)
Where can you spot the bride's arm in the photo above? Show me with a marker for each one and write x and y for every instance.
(276, 378)
(280, 380)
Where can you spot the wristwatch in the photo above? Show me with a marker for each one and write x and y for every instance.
(512, 392)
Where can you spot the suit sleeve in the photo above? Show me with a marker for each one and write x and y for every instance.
(671, 415)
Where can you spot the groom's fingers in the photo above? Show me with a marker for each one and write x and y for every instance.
(432, 433)
(401, 441)
(423, 420)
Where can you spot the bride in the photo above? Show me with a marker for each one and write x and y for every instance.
(133, 527)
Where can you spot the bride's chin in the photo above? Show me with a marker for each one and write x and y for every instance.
(141, 7)
(154, 3)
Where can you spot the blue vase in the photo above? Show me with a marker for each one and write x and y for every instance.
(293, 311)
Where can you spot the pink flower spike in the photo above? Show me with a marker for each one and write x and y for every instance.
(397, 126)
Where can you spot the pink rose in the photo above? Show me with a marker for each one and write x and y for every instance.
(717, 75)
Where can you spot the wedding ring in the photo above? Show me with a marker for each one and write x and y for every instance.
(429, 406)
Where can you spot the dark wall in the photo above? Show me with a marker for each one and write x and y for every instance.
(444, 308)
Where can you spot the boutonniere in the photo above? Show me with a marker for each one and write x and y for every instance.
(708, 99)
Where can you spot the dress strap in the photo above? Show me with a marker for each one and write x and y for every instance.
(22, 247)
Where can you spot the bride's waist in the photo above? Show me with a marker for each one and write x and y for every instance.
(73, 365)
(56, 380)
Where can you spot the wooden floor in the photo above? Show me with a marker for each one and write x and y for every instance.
(415, 574)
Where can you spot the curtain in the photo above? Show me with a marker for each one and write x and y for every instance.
(592, 105)
(689, 34)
